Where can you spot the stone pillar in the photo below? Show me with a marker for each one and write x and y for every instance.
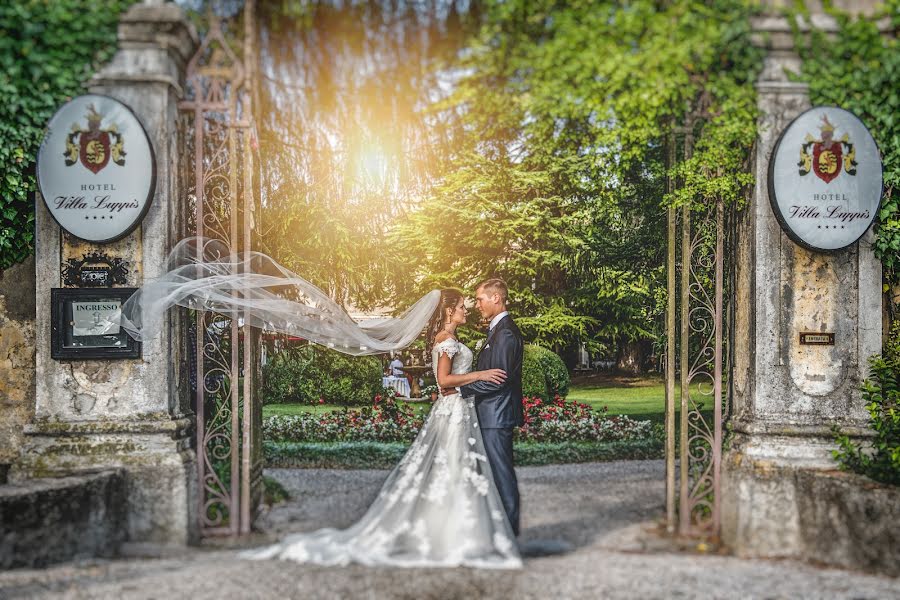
(787, 396)
(16, 359)
(134, 414)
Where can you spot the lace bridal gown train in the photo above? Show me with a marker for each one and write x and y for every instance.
(439, 507)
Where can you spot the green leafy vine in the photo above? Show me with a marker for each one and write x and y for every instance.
(48, 51)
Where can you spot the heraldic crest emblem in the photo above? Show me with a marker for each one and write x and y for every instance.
(94, 146)
(827, 157)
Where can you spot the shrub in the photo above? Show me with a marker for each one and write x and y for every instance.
(543, 453)
(881, 392)
(544, 374)
(379, 455)
(342, 455)
(555, 371)
(534, 383)
(311, 375)
(892, 346)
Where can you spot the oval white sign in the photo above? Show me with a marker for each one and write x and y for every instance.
(96, 169)
(825, 179)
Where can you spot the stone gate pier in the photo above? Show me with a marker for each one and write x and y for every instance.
(129, 415)
(787, 396)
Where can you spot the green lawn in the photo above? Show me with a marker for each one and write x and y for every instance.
(642, 398)
(637, 397)
(294, 409)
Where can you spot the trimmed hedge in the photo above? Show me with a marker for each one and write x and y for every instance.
(310, 375)
(375, 455)
(333, 455)
(544, 374)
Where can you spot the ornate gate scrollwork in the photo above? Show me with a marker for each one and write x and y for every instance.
(216, 138)
(697, 355)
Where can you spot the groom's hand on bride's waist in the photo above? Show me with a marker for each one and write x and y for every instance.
(448, 391)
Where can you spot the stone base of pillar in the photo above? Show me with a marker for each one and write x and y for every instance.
(159, 465)
(783, 497)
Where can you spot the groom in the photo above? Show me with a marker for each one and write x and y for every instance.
(499, 407)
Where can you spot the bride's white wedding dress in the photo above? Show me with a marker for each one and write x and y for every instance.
(439, 507)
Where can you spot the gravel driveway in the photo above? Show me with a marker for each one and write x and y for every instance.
(587, 533)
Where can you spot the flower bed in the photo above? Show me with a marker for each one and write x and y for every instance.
(556, 421)
(561, 421)
(384, 421)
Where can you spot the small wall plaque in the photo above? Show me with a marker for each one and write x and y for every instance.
(817, 339)
(85, 324)
(95, 269)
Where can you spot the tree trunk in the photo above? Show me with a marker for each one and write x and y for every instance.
(632, 356)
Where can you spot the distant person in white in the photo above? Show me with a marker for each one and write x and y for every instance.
(397, 367)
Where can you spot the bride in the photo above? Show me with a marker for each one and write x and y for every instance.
(439, 507)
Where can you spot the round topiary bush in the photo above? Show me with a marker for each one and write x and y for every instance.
(309, 374)
(555, 371)
(544, 373)
(534, 384)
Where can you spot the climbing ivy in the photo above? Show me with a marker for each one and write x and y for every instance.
(48, 50)
(857, 69)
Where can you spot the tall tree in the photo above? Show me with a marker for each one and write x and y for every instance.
(557, 178)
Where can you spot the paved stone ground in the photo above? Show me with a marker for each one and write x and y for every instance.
(602, 514)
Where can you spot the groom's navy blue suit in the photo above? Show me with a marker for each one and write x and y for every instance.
(499, 409)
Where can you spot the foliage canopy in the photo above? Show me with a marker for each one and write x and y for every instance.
(557, 179)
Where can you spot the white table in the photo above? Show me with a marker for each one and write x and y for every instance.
(399, 385)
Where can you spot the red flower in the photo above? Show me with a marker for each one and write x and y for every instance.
(321, 400)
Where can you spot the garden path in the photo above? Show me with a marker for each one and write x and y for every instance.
(599, 513)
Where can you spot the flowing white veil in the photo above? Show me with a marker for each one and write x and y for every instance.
(203, 274)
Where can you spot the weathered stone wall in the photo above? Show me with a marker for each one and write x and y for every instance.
(43, 521)
(787, 396)
(16, 357)
(782, 388)
(849, 521)
(129, 414)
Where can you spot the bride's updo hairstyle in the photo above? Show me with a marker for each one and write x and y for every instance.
(450, 297)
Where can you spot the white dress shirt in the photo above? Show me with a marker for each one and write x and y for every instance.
(396, 367)
(496, 320)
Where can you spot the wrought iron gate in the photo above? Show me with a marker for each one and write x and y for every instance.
(699, 293)
(217, 155)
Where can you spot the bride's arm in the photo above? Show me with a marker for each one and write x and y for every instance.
(445, 379)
